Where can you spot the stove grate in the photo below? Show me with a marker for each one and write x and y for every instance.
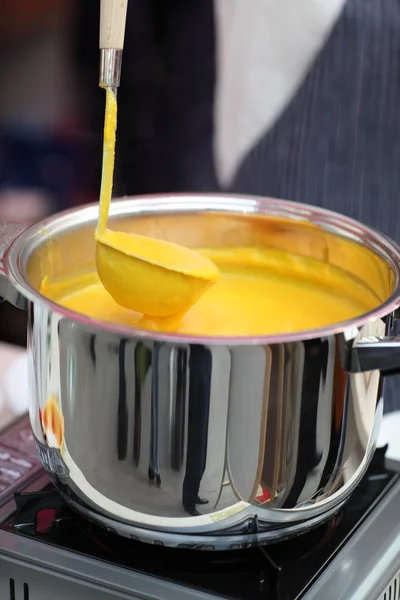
(281, 571)
(263, 570)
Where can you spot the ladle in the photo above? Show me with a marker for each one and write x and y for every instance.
(151, 276)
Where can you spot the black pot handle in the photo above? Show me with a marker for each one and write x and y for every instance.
(373, 353)
(8, 233)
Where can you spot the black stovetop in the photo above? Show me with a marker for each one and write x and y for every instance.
(281, 571)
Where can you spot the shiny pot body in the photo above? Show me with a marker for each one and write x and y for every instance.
(274, 433)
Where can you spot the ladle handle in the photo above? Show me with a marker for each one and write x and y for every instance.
(112, 35)
(112, 24)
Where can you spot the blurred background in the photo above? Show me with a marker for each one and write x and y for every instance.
(51, 109)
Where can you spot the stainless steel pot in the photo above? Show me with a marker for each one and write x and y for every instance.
(275, 432)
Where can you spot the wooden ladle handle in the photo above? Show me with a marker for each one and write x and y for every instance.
(112, 24)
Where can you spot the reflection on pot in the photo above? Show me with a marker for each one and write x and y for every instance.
(52, 423)
(226, 433)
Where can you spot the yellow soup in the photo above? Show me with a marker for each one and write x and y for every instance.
(259, 292)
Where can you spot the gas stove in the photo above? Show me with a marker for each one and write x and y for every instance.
(49, 552)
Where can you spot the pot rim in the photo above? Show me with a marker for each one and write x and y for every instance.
(328, 220)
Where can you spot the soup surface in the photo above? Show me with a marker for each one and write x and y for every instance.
(259, 292)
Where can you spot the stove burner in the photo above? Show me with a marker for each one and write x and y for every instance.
(267, 570)
(280, 571)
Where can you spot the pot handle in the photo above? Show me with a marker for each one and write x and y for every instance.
(8, 233)
(373, 353)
